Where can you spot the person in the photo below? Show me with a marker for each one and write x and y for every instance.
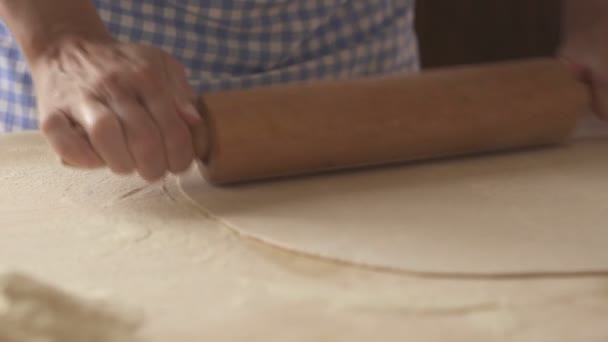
(113, 82)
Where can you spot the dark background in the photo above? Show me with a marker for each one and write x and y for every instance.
(474, 31)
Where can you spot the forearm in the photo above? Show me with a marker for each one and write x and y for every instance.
(38, 24)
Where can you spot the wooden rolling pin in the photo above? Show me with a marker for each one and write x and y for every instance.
(303, 128)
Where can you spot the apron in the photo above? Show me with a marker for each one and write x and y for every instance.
(232, 44)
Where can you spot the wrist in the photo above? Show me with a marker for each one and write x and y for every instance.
(62, 39)
(41, 27)
(50, 45)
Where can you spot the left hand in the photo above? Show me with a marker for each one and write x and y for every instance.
(585, 45)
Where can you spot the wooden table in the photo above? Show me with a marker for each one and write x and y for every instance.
(195, 280)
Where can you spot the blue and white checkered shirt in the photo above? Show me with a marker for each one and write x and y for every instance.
(228, 44)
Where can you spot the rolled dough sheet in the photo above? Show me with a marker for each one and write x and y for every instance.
(146, 248)
(541, 211)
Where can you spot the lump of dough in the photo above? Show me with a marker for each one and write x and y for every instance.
(31, 311)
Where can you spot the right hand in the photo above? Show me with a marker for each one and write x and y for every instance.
(125, 106)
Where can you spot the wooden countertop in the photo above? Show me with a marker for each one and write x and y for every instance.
(196, 281)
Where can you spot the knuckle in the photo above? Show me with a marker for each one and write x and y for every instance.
(63, 142)
(145, 69)
(150, 76)
(51, 122)
(154, 86)
(112, 85)
(110, 80)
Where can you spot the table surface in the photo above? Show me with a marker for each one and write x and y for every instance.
(194, 279)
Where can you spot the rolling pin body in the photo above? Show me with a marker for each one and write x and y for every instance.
(295, 129)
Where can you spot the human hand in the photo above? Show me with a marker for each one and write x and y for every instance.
(585, 47)
(125, 106)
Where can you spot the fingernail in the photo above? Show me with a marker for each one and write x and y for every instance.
(192, 115)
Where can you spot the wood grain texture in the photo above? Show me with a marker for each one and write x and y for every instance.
(271, 132)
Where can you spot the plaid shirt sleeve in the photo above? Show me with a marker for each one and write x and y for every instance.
(229, 44)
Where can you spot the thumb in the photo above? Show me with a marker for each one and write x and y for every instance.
(599, 96)
(189, 106)
(588, 70)
(184, 95)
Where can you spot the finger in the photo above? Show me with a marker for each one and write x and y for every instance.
(589, 70)
(73, 148)
(176, 135)
(159, 99)
(200, 136)
(185, 96)
(600, 100)
(578, 70)
(144, 139)
(106, 135)
(187, 112)
(186, 99)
